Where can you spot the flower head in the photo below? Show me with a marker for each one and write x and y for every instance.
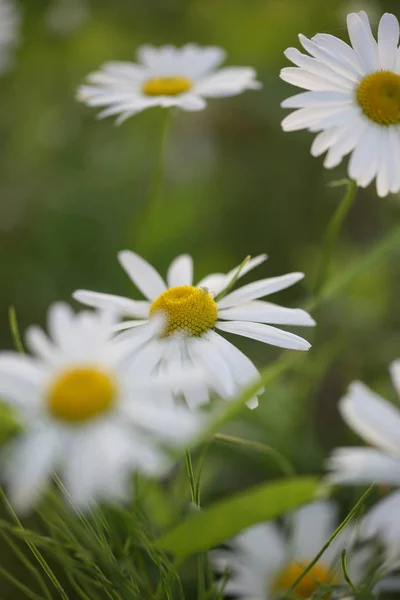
(353, 99)
(193, 313)
(165, 76)
(378, 422)
(9, 23)
(263, 562)
(87, 414)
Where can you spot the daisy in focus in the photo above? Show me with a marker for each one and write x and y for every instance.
(9, 25)
(86, 415)
(263, 562)
(377, 421)
(353, 99)
(193, 313)
(165, 76)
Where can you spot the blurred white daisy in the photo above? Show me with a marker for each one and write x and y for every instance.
(353, 99)
(378, 422)
(86, 415)
(264, 562)
(9, 34)
(165, 76)
(193, 314)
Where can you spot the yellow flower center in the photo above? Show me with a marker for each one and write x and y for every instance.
(188, 309)
(166, 86)
(318, 575)
(80, 394)
(379, 97)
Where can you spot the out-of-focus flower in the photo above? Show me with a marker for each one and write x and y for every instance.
(264, 562)
(165, 76)
(9, 31)
(87, 414)
(194, 312)
(353, 99)
(378, 422)
(66, 16)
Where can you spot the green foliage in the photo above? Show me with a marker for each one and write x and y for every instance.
(224, 519)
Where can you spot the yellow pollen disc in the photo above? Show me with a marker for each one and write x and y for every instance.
(379, 97)
(188, 309)
(166, 86)
(80, 394)
(318, 575)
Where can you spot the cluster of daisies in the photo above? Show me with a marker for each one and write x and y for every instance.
(122, 389)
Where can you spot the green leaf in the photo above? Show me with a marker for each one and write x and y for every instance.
(224, 519)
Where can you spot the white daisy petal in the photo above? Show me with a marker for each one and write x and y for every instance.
(143, 275)
(395, 374)
(338, 47)
(351, 466)
(265, 333)
(334, 61)
(258, 289)
(363, 41)
(180, 271)
(40, 345)
(266, 312)
(125, 307)
(383, 519)
(364, 158)
(324, 140)
(317, 99)
(372, 417)
(29, 467)
(229, 81)
(388, 40)
(309, 81)
(320, 519)
(208, 355)
(243, 370)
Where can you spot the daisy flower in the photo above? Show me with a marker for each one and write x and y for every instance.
(353, 99)
(9, 23)
(86, 414)
(378, 422)
(263, 562)
(193, 315)
(165, 76)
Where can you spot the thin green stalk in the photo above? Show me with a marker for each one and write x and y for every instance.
(46, 568)
(201, 559)
(12, 318)
(28, 592)
(338, 530)
(25, 561)
(234, 279)
(332, 233)
(343, 559)
(282, 462)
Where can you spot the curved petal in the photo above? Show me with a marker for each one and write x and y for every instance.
(266, 312)
(265, 333)
(313, 524)
(125, 307)
(388, 40)
(372, 417)
(227, 82)
(258, 289)
(351, 466)
(180, 271)
(143, 275)
(395, 374)
(363, 41)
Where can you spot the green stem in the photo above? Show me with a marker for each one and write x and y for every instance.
(282, 462)
(345, 572)
(339, 529)
(331, 234)
(16, 336)
(202, 558)
(155, 201)
(158, 177)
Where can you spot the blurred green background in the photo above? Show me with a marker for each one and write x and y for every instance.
(73, 191)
